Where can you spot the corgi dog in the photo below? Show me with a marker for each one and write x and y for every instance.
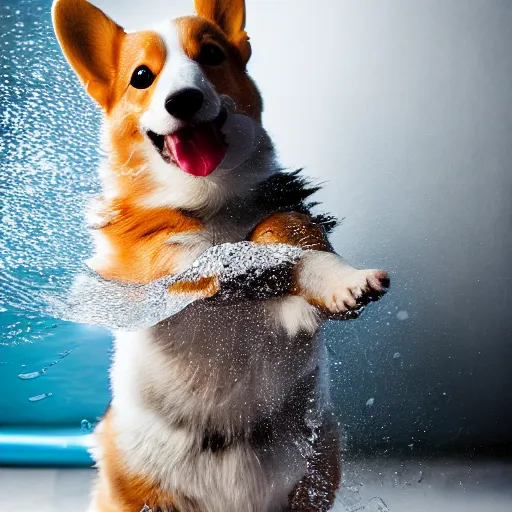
(224, 407)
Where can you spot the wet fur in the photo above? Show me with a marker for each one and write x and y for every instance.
(225, 406)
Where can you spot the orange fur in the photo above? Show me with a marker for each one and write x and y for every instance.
(293, 229)
(230, 18)
(90, 40)
(118, 490)
(139, 239)
(206, 287)
(127, 158)
(103, 55)
(230, 77)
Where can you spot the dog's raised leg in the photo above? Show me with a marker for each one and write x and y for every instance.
(325, 280)
(322, 277)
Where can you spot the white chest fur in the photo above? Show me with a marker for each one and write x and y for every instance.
(219, 365)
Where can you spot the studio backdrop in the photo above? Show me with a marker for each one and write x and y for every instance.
(403, 110)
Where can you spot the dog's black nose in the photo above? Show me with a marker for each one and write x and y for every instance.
(184, 104)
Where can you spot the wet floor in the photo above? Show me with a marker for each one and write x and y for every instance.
(392, 486)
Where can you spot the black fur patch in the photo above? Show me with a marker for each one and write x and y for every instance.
(289, 192)
(214, 441)
(260, 435)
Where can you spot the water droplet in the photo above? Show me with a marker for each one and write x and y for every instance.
(86, 425)
(37, 398)
(402, 315)
(31, 375)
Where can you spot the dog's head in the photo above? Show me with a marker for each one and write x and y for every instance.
(182, 115)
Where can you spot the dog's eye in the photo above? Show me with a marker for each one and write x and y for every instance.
(142, 78)
(211, 55)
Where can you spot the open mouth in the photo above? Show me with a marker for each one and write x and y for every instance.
(196, 149)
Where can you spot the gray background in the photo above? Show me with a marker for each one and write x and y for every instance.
(404, 108)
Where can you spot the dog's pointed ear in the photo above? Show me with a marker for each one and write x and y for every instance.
(90, 42)
(229, 16)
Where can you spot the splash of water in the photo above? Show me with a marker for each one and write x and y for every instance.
(48, 158)
(238, 266)
(349, 500)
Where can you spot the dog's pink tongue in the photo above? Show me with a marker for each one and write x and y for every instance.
(198, 151)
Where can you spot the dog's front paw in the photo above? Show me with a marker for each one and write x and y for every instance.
(347, 293)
